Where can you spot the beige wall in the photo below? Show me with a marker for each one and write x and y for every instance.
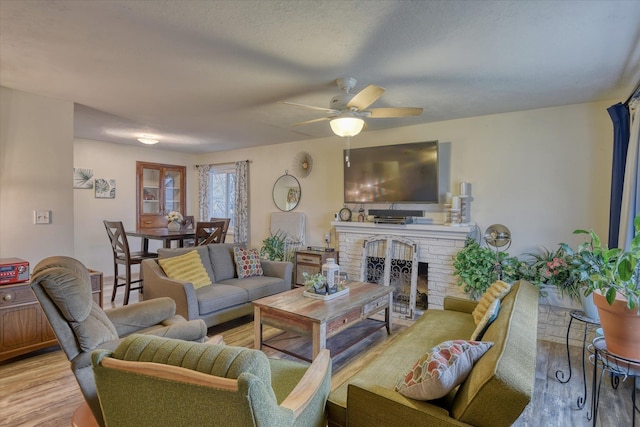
(542, 173)
(115, 161)
(36, 169)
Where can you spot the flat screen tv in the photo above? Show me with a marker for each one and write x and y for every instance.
(392, 174)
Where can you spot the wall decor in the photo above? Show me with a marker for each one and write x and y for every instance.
(105, 189)
(83, 178)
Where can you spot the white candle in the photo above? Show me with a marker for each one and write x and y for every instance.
(464, 188)
(455, 202)
(448, 198)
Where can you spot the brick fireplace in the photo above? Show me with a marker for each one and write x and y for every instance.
(437, 244)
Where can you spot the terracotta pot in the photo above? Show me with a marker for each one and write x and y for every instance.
(621, 326)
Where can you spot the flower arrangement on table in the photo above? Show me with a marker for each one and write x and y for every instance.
(316, 283)
(174, 216)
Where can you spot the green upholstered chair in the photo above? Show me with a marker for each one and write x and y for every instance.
(63, 288)
(152, 381)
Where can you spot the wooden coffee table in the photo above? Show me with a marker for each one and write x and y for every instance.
(317, 319)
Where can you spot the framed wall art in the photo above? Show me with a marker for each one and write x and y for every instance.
(105, 188)
(83, 178)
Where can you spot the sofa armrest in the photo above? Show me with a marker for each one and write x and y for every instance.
(132, 318)
(281, 269)
(459, 304)
(369, 405)
(158, 285)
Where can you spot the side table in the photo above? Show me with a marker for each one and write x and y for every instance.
(618, 366)
(560, 375)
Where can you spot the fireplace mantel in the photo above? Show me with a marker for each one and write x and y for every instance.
(434, 231)
(437, 245)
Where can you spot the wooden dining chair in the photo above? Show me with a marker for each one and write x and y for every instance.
(225, 228)
(208, 232)
(122, 255)
(188, 222)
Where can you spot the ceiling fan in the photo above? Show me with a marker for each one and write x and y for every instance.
(347, 111)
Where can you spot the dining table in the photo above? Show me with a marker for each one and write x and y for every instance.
(167, 236)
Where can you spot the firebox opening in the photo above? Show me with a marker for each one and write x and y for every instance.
(400, 279)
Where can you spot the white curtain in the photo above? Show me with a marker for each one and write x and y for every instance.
(631, 190)
(241, 223)
(203, 191)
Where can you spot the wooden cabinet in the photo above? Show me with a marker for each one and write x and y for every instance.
(23, 325)
(161, 189)
(310, 262)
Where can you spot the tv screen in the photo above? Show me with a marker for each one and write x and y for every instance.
(392, 174)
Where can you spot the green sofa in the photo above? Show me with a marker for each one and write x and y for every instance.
(494, 394)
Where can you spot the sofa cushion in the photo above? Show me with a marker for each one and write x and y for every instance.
(187, 268)
(259, 286)
(441, 369)
(203, 251)
(219, 296)
(69, 292)
(384, 370)
(221, 258)
(496, 291)
(487, 319)
(247, 262)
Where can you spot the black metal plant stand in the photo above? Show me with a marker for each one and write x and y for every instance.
(617, 366)
(560, 375)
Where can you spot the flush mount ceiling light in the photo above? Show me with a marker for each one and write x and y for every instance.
(346, 125)
(148, 139)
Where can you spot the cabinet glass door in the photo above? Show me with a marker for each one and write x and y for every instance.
(172, 188)
(150, 191)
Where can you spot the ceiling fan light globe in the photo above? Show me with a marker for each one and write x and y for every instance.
(148, 140)
(347, 126)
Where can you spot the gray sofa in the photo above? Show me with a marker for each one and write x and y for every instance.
(228, 297)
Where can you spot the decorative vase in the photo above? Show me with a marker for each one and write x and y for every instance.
(620, 325)
(173, 226)
(588, 306)
(320, 288)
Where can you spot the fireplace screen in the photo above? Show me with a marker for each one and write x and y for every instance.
(392, 261)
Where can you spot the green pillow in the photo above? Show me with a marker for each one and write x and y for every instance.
(186, 268)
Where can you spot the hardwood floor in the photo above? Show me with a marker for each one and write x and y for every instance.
(39, 389)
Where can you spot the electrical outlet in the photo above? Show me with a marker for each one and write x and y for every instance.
(42, 217)
(327, 238)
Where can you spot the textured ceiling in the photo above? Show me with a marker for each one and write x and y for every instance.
(209, 75)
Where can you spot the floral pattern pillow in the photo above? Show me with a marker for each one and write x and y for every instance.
(247, 262)
(441, 369)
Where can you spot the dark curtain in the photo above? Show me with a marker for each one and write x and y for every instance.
(619, 114)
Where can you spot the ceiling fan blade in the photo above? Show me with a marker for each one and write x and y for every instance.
(312, 121)
(365, 97)
(380, 113)
(326, 110)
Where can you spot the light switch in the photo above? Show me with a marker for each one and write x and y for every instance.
(42, 217)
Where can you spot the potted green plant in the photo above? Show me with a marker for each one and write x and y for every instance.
(314, 283)
(273, 247)
(553, 273)
(475, 267)
(613, 278)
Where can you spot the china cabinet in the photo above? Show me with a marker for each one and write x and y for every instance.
(161, 188)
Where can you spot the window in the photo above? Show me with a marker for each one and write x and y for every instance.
(222, 181)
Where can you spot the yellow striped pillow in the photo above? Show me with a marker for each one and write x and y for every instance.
(496, 291)
(187, 268)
